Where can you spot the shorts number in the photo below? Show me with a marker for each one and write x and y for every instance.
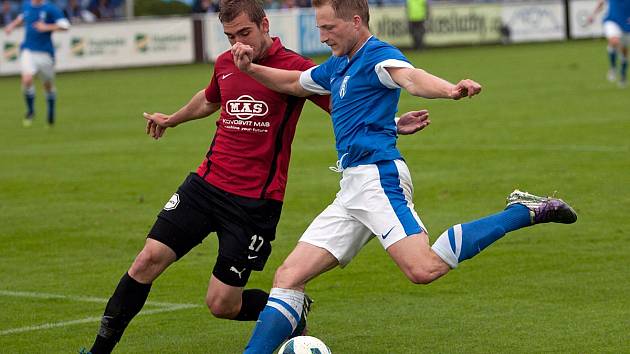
(254, 239)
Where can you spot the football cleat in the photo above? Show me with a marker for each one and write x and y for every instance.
(543, 209)
(301, 329)
(84, 351)
(623, 83)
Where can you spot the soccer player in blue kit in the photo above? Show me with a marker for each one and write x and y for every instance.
(364, 77)
(617, 31)
(40, 19)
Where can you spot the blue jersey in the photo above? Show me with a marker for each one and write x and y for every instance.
(364, 101)
(619, 12)
(35, 40)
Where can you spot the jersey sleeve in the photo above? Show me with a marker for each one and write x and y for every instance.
(56, 16)
(323, 101)
(389, 57)
(213, 94)
(317, 79)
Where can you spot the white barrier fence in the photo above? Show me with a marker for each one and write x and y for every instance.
(111, 45)
(172, 41)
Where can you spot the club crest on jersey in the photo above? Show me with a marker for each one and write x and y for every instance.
(246, 107)
(172, 203)
(344, 85)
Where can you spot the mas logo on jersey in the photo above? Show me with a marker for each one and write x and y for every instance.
(344, 86)
(172, 203)
(246, 107)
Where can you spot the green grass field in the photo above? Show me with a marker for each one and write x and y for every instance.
(77, 201)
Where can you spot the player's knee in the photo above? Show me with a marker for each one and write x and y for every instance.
(614, 42)
(27, 81)
(221, 309)
(148, 264)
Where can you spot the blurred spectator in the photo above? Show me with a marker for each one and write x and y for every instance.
(288, 4)
(106, 9)
(417, 14)
(204, 6)
(271, 4)
(76, 12)
(8, 13)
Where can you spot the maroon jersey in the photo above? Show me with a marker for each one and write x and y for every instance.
(249, 155)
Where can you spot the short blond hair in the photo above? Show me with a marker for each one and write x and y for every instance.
(346, 9)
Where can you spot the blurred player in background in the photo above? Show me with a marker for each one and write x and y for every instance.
(37, 56)
(617, 31)
(239, 187)
(364, 77)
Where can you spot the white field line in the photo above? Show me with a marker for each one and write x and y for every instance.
(164, 307)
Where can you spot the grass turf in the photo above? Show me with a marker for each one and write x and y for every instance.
(76, 202)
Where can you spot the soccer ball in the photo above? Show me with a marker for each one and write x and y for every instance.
(304, 345)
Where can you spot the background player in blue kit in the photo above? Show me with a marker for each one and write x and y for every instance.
(364, 77)
(617, 31)
(37, 56)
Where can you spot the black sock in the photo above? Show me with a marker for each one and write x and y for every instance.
(253, 302)
(125, 303)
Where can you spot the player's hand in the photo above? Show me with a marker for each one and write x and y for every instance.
(157, 124)
(41, 26)
(8, 30)
(465, 88)
(412, 122)
(242, 55)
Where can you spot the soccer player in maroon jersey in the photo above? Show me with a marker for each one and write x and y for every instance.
(238, 189)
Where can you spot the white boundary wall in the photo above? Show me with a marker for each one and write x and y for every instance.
(111, 45)
(579, 10)
(170, 40)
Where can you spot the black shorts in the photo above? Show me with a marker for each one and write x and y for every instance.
(245, 227)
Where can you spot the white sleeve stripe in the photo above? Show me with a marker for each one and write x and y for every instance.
(383, 74)
(310, 85)
(63, 23)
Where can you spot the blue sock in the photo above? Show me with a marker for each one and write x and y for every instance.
(464, 241)
(29, 98)
(624, 68)
(612, 57)
(276, 322)
(50, 99)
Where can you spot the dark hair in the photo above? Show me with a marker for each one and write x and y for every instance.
(231, 9)
(346, 9)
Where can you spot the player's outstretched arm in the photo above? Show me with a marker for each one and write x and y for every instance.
(412, 122)
(196, 108)
(598, 8)
(422, 84)
(283, 81)
(13, 24)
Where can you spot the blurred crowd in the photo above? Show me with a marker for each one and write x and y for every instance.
(202, 6)
(75, 10)
(102, 10)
